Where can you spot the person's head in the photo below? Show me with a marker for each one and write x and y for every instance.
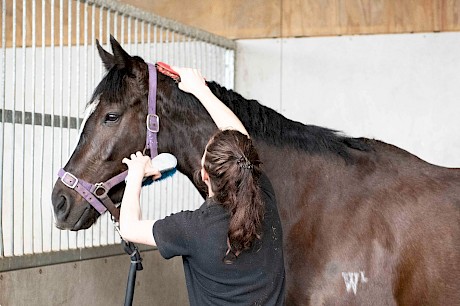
(231, 170)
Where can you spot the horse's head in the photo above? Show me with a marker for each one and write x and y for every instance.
(113, 128)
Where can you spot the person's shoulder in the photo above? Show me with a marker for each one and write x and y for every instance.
(209, 208)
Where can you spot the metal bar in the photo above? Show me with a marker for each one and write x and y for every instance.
(42, 151)
(61, 88)
(85, 47)
(23, 131)
(2, 144)
(93, 34)
(122, 35)
(101, 19)
(129, 34)
(32, 160)
(52, 7)
(78, 235)
(69, 68)
(165, 22)
(107, 34)
(161, 44)
(115, 24)
(13, 129)
(136, 34)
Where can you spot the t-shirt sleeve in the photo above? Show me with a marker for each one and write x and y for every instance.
(171, 234)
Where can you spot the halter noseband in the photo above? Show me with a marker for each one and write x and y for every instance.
(96, 194)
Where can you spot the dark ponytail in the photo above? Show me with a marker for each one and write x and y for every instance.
(233, 166)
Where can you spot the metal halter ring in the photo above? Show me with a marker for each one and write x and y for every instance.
(98, 187)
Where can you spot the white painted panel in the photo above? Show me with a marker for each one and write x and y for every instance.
(402, 89)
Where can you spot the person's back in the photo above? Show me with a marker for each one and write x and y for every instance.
(254, 277)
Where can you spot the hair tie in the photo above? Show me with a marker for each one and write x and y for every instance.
(244, 163)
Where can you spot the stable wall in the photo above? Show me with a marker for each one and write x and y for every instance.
(97, 282)
(402, 89)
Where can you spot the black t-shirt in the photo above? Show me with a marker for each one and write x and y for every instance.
(256, 277)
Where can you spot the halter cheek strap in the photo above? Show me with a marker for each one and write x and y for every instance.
(153, 122)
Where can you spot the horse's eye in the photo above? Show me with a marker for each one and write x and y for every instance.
(111, 117)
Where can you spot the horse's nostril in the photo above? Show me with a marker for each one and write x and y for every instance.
(62, 208)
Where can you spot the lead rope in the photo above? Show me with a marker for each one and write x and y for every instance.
(136, 265)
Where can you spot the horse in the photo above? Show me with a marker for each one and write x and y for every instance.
(364, 222)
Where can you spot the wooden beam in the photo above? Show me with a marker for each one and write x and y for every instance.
(238, 19)
(231, 19)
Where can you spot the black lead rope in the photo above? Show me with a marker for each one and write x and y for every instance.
(136, 265)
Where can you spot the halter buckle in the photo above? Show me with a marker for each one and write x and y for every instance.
(97, 187)
(154, 126)
(63, 180)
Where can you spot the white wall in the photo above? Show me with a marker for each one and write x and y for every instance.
(402, 89)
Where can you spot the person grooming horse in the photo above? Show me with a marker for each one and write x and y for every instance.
(232, 245)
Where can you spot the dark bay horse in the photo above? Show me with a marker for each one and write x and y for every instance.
(364, 222)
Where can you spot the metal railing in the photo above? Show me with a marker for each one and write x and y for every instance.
(49, 67)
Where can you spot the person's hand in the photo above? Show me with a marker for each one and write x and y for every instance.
(139, 166)
(191, 80)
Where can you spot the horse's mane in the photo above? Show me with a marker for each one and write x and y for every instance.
(265, 124)
(262, 123)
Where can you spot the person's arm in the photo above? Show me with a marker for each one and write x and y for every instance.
(192, 82)
(132, 228)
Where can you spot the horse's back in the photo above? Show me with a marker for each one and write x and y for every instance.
(424, 209)
(383, 229)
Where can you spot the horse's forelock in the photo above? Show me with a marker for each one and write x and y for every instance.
(90, 108)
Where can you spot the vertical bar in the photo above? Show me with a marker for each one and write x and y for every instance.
(76, 82)
(53, 123)
(23, 130)
(136, 38)
(61, 90)
(42, 147)
(155, 43)
(77, 45)
(85, 85)
(13, 125)
(173, 47)
(70, 235)
(2, 145)
(129, 34)
(93, 50)
(69, 74)
(161, 44)
(122, 29)
(101, 17)
(109, 228)
(149, 42)
(142, 43)
(115, 25)
(108, 27)
(32, 163)
(167, 56)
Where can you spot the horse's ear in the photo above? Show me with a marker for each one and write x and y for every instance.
(107, 59)
(122, 58)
